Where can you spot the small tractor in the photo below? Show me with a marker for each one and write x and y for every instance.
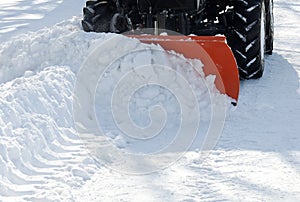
(234, 34)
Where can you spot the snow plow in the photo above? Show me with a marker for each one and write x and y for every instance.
(230, 37)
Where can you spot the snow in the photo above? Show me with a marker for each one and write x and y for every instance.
(52, 150)
(20, 16)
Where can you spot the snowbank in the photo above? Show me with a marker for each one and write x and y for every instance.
(42, 154)
(38, 142)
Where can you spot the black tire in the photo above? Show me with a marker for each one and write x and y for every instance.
(97, 16)
(247, 39)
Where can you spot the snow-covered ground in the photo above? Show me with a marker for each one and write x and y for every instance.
(44, 158)
(19, 16)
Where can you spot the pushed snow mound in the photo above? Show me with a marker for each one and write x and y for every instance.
(148, 99)
(43, 155)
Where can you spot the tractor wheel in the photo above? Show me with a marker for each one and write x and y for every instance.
(102, 16)
(248, 37)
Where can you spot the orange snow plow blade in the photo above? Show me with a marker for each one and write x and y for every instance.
(212, 51)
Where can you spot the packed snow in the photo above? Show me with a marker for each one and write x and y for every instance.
(51, 107)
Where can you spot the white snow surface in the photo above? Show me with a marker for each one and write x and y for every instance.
(43, 157)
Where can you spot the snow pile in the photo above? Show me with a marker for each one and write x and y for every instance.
(165, 96)
(38, 142)
(42, 155)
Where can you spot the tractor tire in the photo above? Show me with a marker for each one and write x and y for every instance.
(102, 16)
(248, 37)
